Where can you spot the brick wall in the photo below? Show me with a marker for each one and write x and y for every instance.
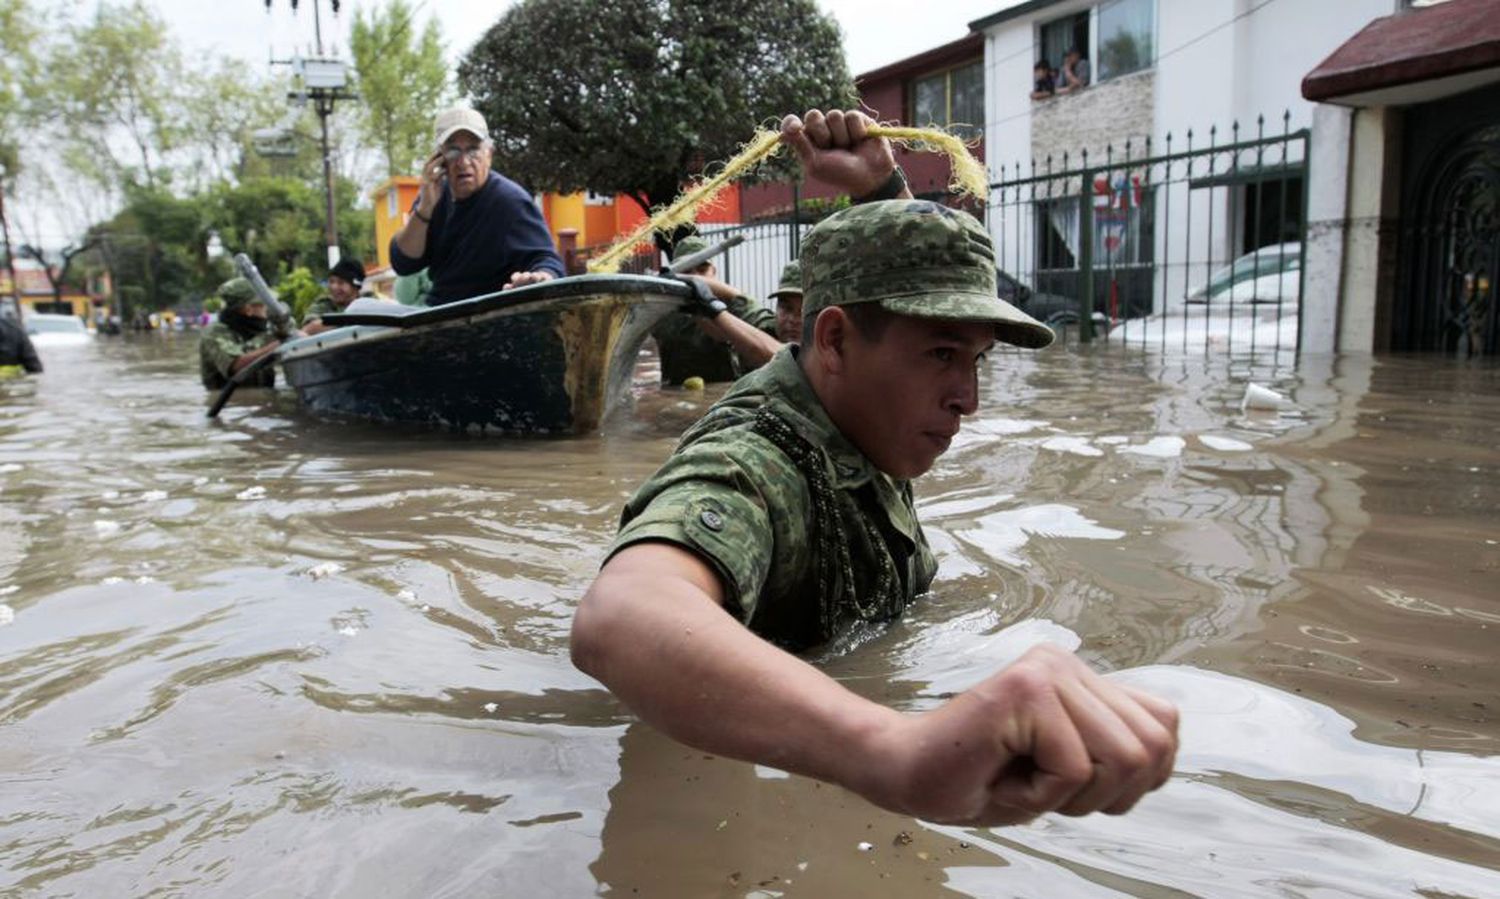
(1095, 117)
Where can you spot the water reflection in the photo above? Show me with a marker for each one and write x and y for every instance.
(332, 657)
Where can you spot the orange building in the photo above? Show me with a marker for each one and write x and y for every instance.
(595, 219)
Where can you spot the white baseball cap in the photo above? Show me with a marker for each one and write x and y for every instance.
(460, 118)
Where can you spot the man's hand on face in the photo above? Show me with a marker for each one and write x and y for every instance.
(434, 173)
(521, 279)
(836, 148)
(1046, 734)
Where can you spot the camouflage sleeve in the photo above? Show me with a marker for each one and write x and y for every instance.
(220, 348)
(317, 309)
(704, 501)
(758, 316)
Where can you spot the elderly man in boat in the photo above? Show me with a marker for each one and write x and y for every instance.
(785, 517)
(474, 230)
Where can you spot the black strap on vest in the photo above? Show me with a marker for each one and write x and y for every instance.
(833, 515)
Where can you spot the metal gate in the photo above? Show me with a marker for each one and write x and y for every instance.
(1450, 237)
(1199, 247)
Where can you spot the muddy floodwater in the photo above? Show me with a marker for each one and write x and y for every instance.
(278, 656)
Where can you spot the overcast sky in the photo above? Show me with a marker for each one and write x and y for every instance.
(876, 31)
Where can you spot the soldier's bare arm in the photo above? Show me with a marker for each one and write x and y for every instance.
(245, 359)
(754, 346)
(1045, 734)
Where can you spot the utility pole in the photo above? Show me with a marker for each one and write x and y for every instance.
(325, 80)
(10, 260)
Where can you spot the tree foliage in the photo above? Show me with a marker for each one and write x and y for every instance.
(402, 81)
(633, 97)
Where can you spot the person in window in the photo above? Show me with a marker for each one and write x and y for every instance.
(1043, 80)
(1075, 72)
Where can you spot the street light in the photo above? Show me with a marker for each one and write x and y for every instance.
(10, 262)
(324, 80)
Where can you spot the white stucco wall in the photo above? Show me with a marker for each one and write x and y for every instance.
(1218, 61)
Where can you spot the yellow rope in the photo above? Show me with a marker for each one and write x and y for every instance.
(968, 178)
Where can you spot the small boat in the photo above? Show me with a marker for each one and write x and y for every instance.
(549, 358)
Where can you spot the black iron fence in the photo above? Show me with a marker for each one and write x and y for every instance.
(1190, 244)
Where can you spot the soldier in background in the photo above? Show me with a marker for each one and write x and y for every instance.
(240, 336)
(718, 340)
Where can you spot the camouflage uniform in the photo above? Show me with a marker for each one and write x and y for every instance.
(686, 351)
(318, 308)
(220, 344)
(805, 533)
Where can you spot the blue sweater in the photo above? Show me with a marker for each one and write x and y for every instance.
(475, 245)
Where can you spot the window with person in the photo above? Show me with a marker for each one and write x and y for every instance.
(1120, 33)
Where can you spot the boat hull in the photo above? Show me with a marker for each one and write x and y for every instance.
(553, 358)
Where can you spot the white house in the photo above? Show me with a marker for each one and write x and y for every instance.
(1158, 68)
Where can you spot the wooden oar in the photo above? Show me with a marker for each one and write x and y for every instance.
(239, 378)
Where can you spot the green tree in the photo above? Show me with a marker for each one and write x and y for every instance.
(18, 70)
(402, 81)
(630, 97)
(117, 81)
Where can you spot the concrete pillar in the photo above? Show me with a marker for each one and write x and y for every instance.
(1327, 222)
(1371, 239)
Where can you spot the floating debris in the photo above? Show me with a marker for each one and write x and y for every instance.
(251, 493)
(407, 596)
(865, 847)
(1078, 446)
(1158, 447)
(1258, 397)
(491, 707)
(1224, 444)
(320, 571)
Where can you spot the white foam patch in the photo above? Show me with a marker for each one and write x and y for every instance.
(1224, 444)
(251, 493)
(1112, 440)
(153, 496)
(318, 572)
(12, 588)
(104, 527)
(1001, 535)
(7, 615)
(1158, 448)
(1078, 446)
(9, 467)
(349, 630)
(1003, 427)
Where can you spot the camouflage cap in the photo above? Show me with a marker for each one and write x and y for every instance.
(791, 279)
(689, 245)
(237, 292)
(916, 258)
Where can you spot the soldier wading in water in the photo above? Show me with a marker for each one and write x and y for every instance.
(786, 513)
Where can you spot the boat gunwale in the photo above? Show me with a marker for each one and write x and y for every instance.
(501, 304)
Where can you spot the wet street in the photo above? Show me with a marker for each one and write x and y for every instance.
(280, 656)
